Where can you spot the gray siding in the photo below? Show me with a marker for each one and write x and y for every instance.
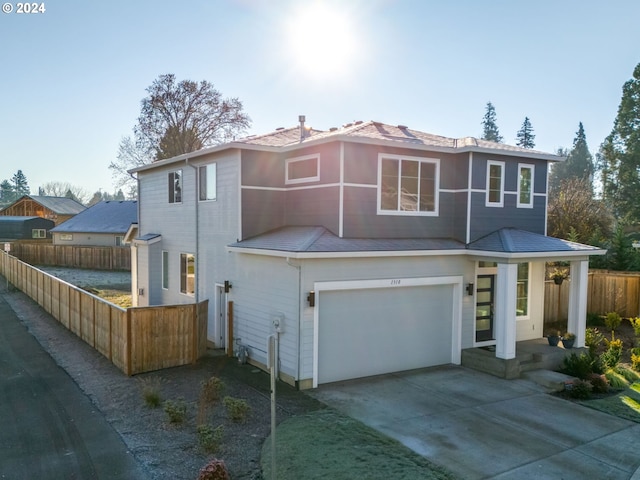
(262, 210)
(93, 239)
(318, 206)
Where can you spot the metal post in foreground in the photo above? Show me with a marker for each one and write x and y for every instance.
(271, 356)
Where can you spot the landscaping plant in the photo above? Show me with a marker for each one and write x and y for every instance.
(176, 410)
(237, 408)
(151, 391)
(611, 357)
(209, 438)
(612, 320)
(211, 389)
(580, 390)
(214, 470)
(593, 338)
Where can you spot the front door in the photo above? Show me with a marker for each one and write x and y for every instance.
(484, 307)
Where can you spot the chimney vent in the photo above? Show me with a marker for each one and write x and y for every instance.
(303, 130)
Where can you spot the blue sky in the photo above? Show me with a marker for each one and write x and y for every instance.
(71, 78)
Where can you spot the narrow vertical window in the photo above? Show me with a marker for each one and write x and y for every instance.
(187, 273)
(165, 270)
(207, 182)
(525, 185)
(175, 186)
(522, 300)
(495, 184)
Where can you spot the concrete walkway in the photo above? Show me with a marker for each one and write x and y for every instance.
(50, 429)
(479, 426)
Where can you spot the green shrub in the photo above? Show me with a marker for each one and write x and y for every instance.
(151, 391)
(628, 374)
(599, 383)
(237, 408)
(593, 338)
(594, 320)
(616, 380)
(581, 366)
(635, 323)
(176, 410)
(211, 389)
(209, 438)
(580, 390)
(612, 320)
(611, 357)
(635, 360)
(214, 470)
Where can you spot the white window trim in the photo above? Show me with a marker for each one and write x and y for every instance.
(174, 192)
(528, 315)
(180, 275)
(436, 209)
(121, 242)
(38, 233)
(316, 178)
(215, 181)
(65, 237)
(533, 172)
(499, 204)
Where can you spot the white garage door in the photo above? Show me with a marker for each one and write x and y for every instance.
(383, 330)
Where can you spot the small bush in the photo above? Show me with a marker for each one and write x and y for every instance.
(214, 470)
(237, 408)
(581, 366)
(151, 391)
(599, 383)
(612, 320)
(209, 438)
(593, 338)
(580, 390)
(635, 323)
(176, 410)
(635, 360)
(211, 389)
(616, 380)
(611, 357)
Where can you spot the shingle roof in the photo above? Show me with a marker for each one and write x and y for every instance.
(103, 217)
(511, 240)
(59, 205)
(319, 239)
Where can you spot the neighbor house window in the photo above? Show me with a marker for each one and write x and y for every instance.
(187, 273)
(207, 182)
(165, 269)
(522, 292)
(303, 169)
(119, 240)
(175, 186)
(407, 185)
(38, 233)
(525, 185)
(67, 237)
(495, 184)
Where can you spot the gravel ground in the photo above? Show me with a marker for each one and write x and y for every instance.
(100, 279)
(166, 450)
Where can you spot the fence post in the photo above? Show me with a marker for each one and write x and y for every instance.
(195, 333)
(128, 343)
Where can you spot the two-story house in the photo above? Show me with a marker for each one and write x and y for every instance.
(369, 248)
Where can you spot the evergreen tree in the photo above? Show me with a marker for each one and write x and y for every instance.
(525, 137)
(489, 127)
(619, 156)
(20, 185)
(7, 194)
(579, 162)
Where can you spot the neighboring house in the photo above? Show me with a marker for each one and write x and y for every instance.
(103, 224)
(22, 228)
(368, 249)
(58, 209)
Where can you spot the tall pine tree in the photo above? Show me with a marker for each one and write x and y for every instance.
(489, 127)
(19, 184)
(579, 162)
(525, 137)
(619, 156)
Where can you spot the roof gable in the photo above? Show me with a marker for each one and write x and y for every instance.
(59, 205)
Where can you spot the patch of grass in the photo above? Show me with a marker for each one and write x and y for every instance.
(151, 391)
(117, 297)
(625, 404)
(326, 444)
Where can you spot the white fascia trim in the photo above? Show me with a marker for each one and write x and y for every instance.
(341, 194)
(456, 328)
(288, 189)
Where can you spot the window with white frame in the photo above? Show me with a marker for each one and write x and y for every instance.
(495, 184)
(207, 182)
(187, 273)
(407, 185)
(525, 185)
(38, 233)
(67, 237)
(303, 169)
(175, 186)
(165, 270)
(522, 291)
(119, 240)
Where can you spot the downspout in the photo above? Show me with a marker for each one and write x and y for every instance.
(197, 218)
(299, 268)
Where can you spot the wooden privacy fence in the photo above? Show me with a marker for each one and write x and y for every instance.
(74, 256)
(136, 340)
(607, 291)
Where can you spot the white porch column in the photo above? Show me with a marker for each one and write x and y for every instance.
(505, 310)
(577, 322)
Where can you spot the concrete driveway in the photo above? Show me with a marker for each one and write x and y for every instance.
(479, 426)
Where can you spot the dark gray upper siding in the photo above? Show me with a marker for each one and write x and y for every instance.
(317, 206)
(479, 177)
(262, 210)
(485, 220)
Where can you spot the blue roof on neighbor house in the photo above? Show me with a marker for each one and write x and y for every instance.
(512, 240)
(103, 217)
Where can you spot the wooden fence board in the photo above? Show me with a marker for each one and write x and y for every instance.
(87, 319)
(75, 256)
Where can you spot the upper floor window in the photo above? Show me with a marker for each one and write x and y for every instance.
(303, 169)
(175, 186)
(495, 184)
(525, 185)
(408, 185)
(187, 273)
(207, 182)
(38, 233)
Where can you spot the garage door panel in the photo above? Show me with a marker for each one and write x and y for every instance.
(375, 331)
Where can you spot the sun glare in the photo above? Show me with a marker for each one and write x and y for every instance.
(322, 39)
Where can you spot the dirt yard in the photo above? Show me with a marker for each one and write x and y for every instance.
(166, 450)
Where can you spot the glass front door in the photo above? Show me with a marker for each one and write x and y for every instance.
(484, 307)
